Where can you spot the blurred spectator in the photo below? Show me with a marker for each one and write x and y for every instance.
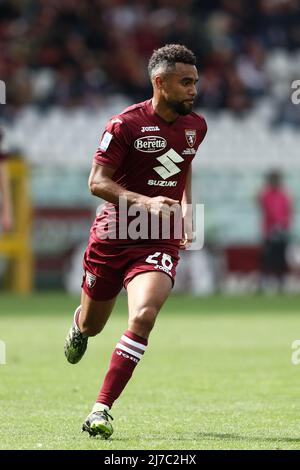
(70, 53)
(6, 206)
(276, 210)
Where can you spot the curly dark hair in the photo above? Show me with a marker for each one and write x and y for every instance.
(168, 55)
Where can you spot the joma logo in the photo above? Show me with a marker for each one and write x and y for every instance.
(120, 353)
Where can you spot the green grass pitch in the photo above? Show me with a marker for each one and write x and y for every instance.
(217, 375)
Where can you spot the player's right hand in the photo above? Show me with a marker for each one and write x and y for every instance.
(162, 206)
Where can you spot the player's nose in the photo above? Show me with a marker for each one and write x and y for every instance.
(192, 92)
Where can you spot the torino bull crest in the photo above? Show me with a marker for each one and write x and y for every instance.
(190, 135)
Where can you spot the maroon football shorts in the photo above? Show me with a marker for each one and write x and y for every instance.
(107, 268)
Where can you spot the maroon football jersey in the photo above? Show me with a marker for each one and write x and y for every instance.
(150, 155)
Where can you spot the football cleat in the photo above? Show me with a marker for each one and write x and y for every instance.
(97, 424)
(75, 344)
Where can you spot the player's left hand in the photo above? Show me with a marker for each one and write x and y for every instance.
(189, 235)
(186, 242)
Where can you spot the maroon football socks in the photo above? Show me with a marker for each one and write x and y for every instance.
(124, 359)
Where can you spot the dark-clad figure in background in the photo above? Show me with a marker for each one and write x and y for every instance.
(276, 210)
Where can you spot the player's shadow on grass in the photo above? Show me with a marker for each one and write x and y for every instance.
(213, 436)
(207, 435)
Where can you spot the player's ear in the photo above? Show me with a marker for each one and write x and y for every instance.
(157, 82)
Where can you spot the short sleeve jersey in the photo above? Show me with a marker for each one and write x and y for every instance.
(276, 205)
(150, 156)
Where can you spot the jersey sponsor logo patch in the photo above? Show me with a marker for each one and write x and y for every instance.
(168, 161)
(90, 279)
(105, 141)
(162, 183)
(150, 129)
(150, 143)
(189, 151)
(190, 135)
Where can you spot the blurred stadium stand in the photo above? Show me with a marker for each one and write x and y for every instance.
(69, 66)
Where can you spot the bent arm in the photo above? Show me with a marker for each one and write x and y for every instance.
(187, 195)
(102, 185)
(187, 212)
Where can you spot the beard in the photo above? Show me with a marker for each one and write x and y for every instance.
(180, 107)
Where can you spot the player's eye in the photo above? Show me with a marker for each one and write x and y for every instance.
(189, 82)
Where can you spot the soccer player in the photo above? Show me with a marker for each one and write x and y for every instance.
(6, 205)
(143, 162)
